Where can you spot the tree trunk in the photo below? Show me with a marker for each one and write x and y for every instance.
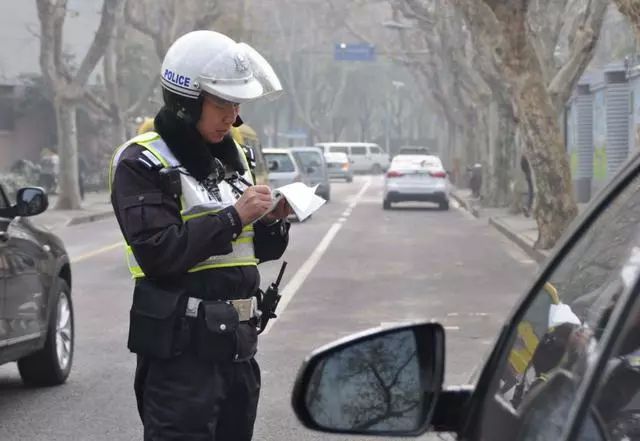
(502, 150)
(555, 206)
(69, 196)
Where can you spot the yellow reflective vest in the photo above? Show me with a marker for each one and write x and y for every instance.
(195, 201)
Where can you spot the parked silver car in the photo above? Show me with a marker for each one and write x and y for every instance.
(283, 167)
(314, 166)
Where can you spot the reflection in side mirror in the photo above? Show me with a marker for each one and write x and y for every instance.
(31, 201)
(386, 381)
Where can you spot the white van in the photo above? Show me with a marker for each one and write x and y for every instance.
(364, 156)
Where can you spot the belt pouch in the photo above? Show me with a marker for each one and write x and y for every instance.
(156, 320)
(217, 324)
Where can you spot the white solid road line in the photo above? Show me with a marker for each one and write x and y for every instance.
(301, 275)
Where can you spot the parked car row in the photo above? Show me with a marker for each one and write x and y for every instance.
(298, 164)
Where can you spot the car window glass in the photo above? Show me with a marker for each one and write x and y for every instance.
(341, 149)
(308, 159)
(561, 328)
(617, 402)
(3, 199)
(283, 161)
(358, 151)
(376, 150)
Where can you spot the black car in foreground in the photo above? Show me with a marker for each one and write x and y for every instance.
(36, 313)
(565, 365)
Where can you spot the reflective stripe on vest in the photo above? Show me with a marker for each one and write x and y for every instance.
(195, 202)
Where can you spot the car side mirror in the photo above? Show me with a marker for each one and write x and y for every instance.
(311, 170)
(382, 382)
(31, 201)
(273, 166)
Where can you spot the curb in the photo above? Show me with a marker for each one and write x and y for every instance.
(537, 255)
(465, 204)
(86, 218)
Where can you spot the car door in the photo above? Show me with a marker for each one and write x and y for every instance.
(25, 299)
(4, 272)
(361, 158)
(4, 320)
(380, 157)
(616, 401)
(561, 331)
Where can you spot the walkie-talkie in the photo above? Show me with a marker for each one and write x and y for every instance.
(270, 300)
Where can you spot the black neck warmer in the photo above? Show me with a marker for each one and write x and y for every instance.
(193, 152)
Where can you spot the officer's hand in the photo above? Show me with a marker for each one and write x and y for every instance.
(254, 202)
(281, 211)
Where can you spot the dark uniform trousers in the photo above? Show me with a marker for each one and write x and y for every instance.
(188, 399)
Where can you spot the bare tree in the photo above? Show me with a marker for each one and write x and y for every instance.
(162, 22)
(537, 100)
(631, 9)
(68, 89)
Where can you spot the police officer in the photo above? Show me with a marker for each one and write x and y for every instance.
(196, 228)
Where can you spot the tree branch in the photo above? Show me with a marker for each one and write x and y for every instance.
(100, 42)
(98, 103)
(586, 37)
(631, 9)
(51, 15)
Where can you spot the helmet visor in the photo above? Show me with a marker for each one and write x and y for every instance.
(263, 72)
(239, 74)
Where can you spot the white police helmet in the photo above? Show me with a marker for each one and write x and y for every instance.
(210, 62)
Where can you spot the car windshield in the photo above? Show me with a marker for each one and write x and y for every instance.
(308, 159)
(280, 162)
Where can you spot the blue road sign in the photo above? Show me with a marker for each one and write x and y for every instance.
(354, 52)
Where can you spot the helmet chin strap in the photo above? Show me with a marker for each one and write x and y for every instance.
(187, 115)
(191, 116)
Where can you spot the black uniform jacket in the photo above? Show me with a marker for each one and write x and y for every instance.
(166, 247)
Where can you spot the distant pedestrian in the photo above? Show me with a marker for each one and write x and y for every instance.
(82, 174)
(526, 169)
(475, 179)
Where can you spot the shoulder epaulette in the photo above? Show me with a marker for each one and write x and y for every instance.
(150, 161)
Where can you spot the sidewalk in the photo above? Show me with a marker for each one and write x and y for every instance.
(521, 230)
(96, 206)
